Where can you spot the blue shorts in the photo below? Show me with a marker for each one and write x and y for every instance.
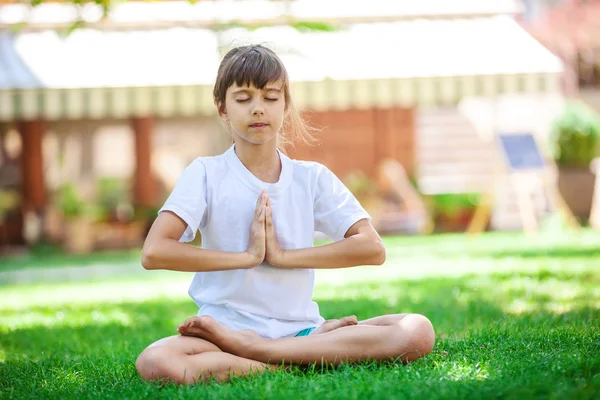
(305, 332)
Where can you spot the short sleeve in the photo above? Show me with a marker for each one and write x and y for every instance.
(188, 199)
(335, 207)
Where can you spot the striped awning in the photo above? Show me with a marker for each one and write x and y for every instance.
(169, 72)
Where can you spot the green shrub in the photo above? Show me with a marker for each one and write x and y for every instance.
(452, 203)
(70, 201)
(73, 205)
(575, 137)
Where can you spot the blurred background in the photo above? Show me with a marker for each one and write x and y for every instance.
(103, 104)
(468, 129)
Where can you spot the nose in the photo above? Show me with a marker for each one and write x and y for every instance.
(258, 109)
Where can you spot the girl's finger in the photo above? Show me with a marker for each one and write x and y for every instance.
(259, 204)
(258, 211)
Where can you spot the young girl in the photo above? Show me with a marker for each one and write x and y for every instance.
(257, 211)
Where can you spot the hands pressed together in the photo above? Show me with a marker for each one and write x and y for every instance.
(263, 244)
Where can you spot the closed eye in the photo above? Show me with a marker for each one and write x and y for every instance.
(266, 98)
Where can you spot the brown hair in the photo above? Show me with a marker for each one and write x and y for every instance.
(257, 65)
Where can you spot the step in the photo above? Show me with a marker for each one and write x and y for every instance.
(436, 132)
(452, 169)
(452, 156)
(454, 184)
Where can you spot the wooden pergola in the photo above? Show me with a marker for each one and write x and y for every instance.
(146, 86)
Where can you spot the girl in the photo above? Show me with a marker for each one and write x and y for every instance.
(257, 211)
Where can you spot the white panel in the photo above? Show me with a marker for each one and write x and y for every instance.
(7, 110)
(29, 104)
(165, 102)
(142, 101)
(448, 93)
(511, 84)
(468, 86)
(531, 83)
(339, 94)
(187, 100)
(363, 94)
(206, 104)
(75, 103)
(404, 92)
(553, 83)
(383, 93)
(426, 94)
(120, 105)
(97, 105)
(318, 96)
(489, 85)
(298, 92)
(53, 107)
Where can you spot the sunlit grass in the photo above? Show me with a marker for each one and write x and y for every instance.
(515, 318)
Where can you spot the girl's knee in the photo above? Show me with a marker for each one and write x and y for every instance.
(166, 359)
(154, 364)
(424, 334)
(417, 332)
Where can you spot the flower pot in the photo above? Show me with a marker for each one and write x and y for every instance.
(79, 236)
(576, 185)
(456, 221)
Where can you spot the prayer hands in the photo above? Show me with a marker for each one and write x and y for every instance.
(274, 251)
(256, 243)
(263, 242)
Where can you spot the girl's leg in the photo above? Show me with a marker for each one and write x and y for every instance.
(187, 360)
(332, 324)
(408, 338)
(384, 320)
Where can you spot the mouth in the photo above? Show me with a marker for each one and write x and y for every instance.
(258, 125)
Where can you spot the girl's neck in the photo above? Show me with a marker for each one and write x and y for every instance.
(262, 160)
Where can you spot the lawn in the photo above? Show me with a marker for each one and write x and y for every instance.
(515, 317)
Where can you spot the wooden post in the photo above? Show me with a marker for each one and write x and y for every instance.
(32, 166)
(33, 185)
(144, 183)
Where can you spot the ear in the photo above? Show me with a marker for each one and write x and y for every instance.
(222, 110)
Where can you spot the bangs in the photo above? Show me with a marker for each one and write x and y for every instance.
(253, 65)
(256, 67)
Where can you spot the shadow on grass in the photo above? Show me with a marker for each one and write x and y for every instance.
(72, 350)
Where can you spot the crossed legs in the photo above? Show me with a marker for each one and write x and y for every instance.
(208, 349)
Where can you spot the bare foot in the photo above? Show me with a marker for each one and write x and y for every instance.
(332, 324)
(238, 343)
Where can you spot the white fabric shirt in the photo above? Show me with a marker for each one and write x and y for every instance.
(217, 195)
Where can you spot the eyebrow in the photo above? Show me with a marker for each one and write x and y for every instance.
(268, 89)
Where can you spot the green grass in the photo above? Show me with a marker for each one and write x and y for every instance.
(51, 256)
(515, 317)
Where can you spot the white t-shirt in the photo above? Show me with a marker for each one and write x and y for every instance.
(217, 195)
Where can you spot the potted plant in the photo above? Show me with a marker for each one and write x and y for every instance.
(79, 235)
(452, 212)
(575, 141)
(9, 204)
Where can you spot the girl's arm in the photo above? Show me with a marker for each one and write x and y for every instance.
(361, 246)
(162, 249)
